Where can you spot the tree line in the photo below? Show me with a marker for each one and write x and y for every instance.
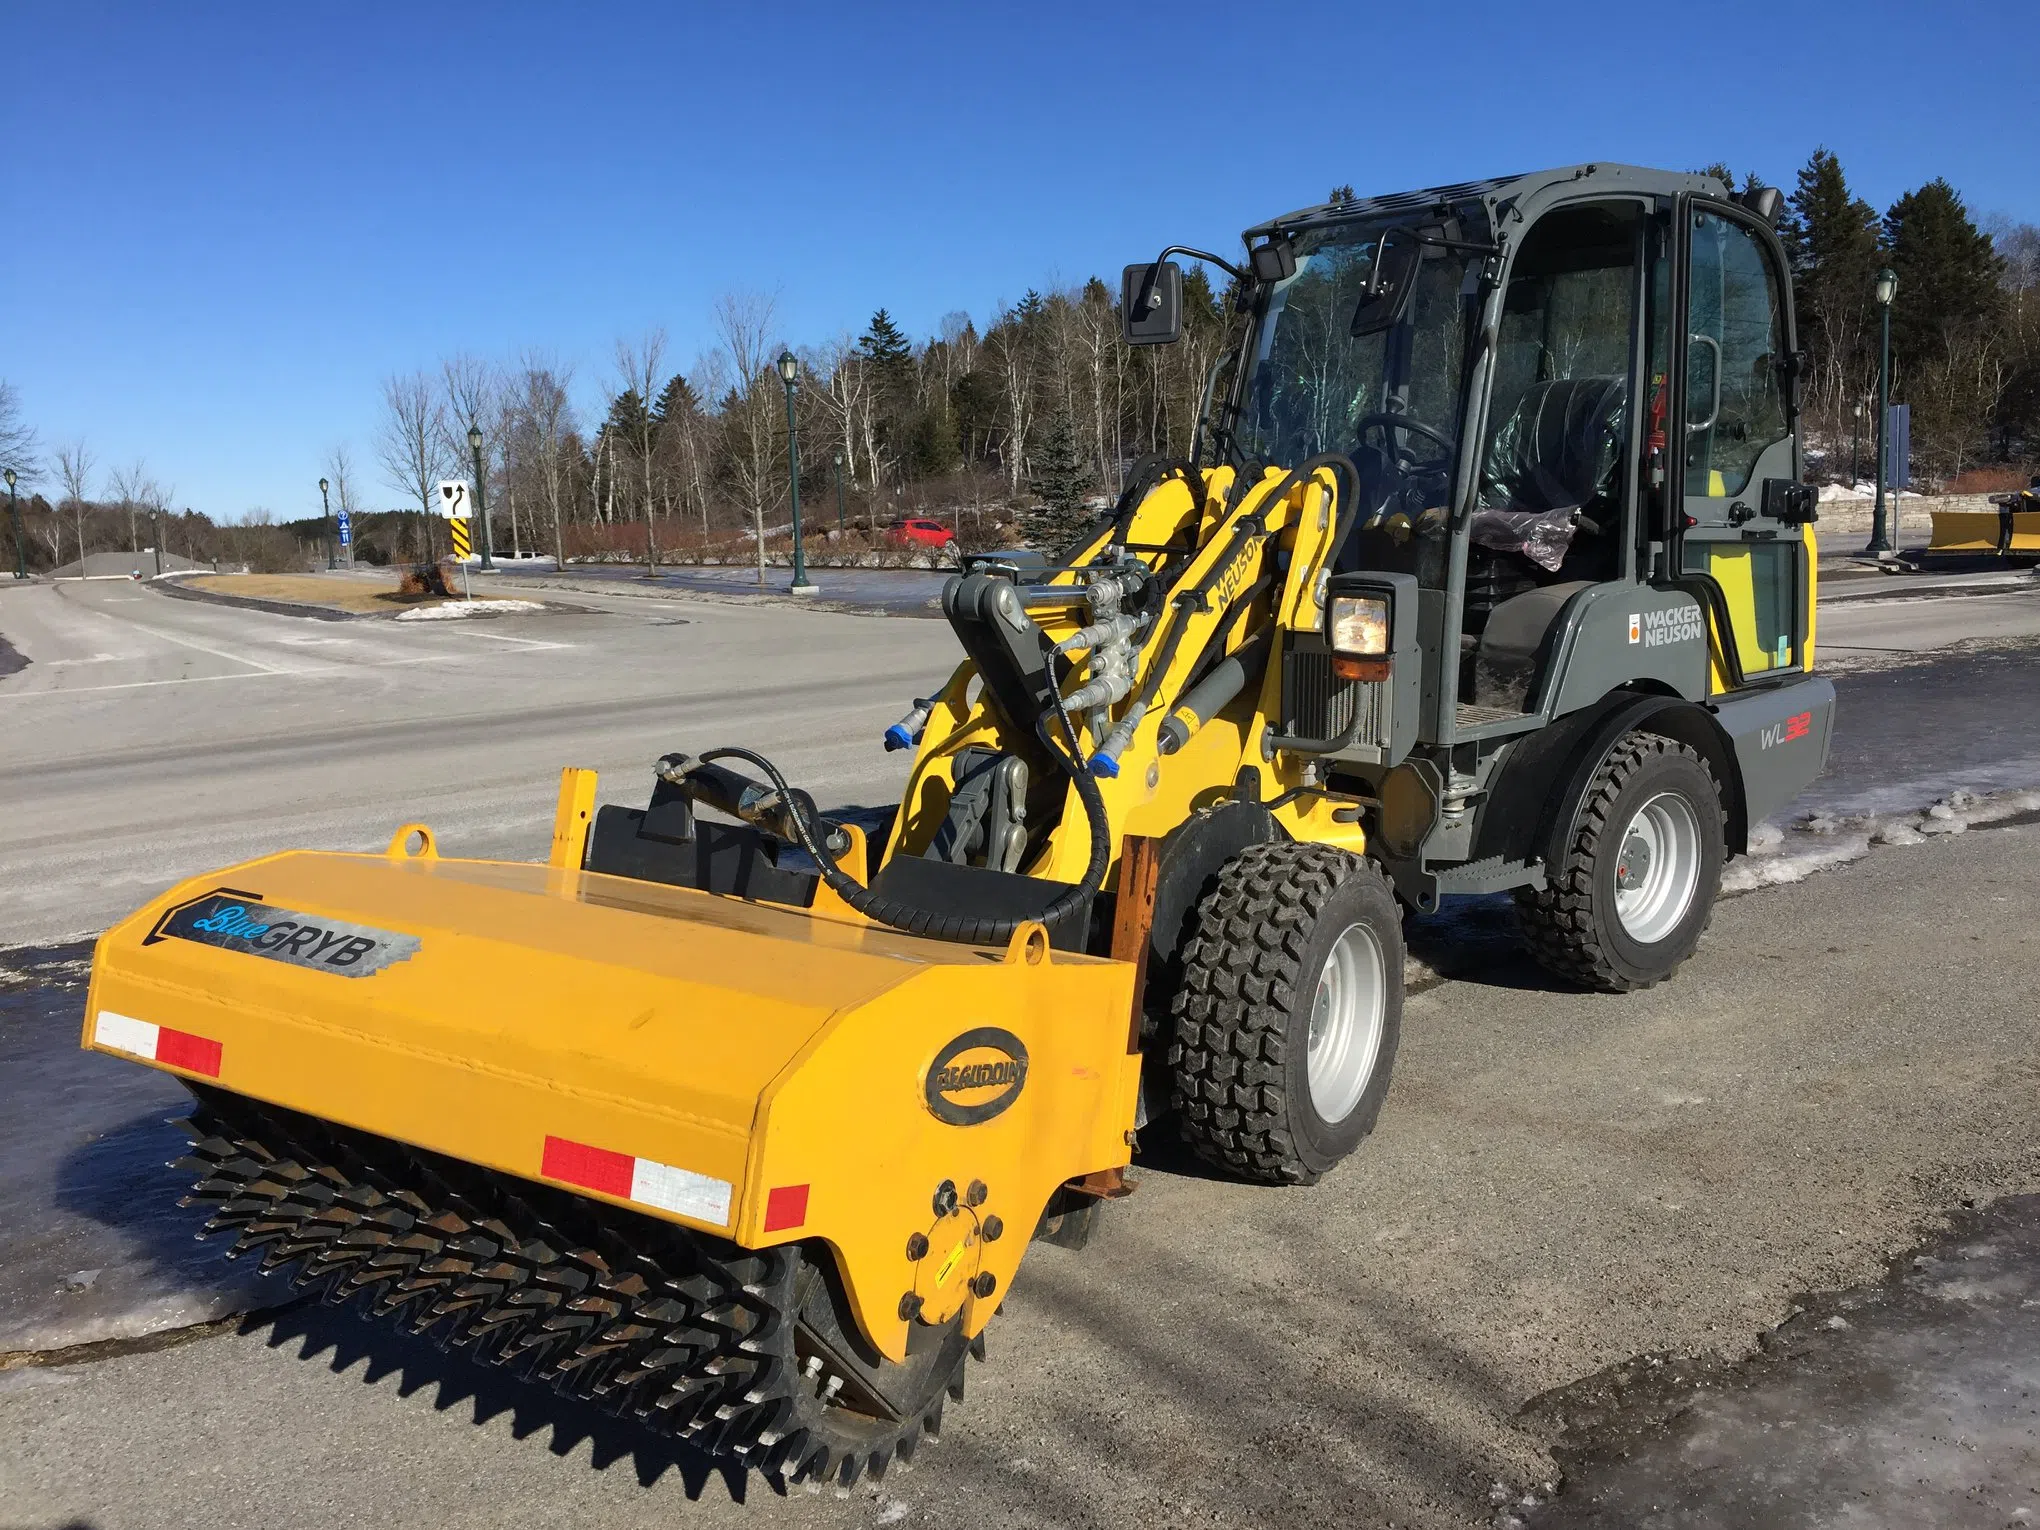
(1039, 409)
(1965, 322)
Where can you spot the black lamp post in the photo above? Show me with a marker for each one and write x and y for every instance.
(14, 515)
(326, 512)
(1887, 288)
(839, 493)
(481, 500)
(789, 373)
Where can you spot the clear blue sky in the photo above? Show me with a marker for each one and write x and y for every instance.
(226, 222)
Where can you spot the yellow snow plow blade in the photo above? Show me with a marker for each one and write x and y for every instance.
(1972, 531)
(766, 1073)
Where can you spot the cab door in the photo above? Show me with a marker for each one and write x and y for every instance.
(1740, 452)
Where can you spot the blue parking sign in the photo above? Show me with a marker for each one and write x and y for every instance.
(346, 529)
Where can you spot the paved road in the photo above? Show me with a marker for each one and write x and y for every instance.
(1560, 1182)
(149, 739)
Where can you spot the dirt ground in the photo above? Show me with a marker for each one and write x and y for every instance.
(365, 593)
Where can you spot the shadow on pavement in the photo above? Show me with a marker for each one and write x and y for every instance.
(346, 1339)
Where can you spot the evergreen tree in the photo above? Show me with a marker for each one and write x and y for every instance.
(626, 420)
(885, 348)
(1341, 195)
(677, 400)
(1831, 239)
(1948, 273)
(1062, 473)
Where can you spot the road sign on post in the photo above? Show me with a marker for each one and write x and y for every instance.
(453, 499)
(463, 539)
(346, 529)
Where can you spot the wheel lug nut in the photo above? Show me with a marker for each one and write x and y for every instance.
(993, 1229)
(917, 1246)
(984, 1283)
(975, 1195)
(945, 1198)
(910, 1307)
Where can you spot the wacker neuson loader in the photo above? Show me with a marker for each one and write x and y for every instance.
(1489, 570)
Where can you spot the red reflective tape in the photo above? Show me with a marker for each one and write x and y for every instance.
(592, 1168)
(194, 1054)
(785, 1206)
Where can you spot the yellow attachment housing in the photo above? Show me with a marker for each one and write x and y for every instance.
(761, 1073)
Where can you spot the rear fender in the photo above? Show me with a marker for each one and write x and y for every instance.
(1528, 812)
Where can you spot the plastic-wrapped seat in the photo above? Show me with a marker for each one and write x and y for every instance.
(1551, 473)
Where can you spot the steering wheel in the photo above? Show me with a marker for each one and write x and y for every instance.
(1389, 423)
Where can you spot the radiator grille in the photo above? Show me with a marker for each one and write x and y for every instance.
(1317, 705)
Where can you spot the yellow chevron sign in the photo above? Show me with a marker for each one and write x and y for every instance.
(463, 538)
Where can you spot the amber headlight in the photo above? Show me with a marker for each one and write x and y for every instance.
(1357, 626)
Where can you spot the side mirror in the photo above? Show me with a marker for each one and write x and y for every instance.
(1151, 304)
(1387, 295)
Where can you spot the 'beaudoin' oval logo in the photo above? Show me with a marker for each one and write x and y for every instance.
(976, 1076)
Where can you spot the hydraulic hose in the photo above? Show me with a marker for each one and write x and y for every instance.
(945, 925)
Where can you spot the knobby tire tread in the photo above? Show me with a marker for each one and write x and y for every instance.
(1227, 1051)
(1557, 920)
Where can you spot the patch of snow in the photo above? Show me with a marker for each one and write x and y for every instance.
(1794, 862)
(455, 610)
(1826, 838)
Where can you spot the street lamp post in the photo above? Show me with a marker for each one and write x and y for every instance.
(1887, 288)
(481, 499)
(789, 373)
(326, 514)
(14, 515)
(839, 493)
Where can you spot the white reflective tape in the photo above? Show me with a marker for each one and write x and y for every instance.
(682, 1190)
(137, 1037)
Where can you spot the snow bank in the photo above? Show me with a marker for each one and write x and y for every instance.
(1821, 841)
(457, 609)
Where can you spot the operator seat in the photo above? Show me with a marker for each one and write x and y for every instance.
(1551, 472)
(1546, 527)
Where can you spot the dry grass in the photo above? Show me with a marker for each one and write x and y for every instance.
(348, 593)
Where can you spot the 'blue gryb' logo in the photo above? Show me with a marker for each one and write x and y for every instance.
(232, 920)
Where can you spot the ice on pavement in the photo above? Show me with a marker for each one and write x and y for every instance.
(455, 610)
(1823, 839)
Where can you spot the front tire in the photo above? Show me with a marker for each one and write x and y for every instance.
(1285, 1025)
(1635, 888)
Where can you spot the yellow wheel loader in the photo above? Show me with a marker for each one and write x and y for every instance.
(1489, 571)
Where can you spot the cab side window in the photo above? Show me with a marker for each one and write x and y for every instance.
(1735, 399)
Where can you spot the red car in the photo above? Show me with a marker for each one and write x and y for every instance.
(922, 532)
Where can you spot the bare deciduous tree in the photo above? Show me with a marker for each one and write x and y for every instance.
(410, 442)
(545, 420)
(19, 448)
(74, 466)
(640, 365)
(743, 325)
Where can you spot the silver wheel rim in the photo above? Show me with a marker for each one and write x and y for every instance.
(1347, 1015)
(1657, 868)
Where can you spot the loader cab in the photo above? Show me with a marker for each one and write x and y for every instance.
(1575, 421)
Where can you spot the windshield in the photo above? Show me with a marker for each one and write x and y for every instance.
(1392, 400)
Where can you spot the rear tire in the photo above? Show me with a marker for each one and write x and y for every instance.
(1635, 889)
(1286, 1022)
